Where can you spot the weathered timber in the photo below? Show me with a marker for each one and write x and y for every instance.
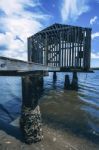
(30, 121)
(54, 76)
(14, 67)
(58, 48)
(74, 84)
(18, 67)
(62, 46)
(67, 82)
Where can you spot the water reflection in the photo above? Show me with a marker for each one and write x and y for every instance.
(74, 111)
(77, 112)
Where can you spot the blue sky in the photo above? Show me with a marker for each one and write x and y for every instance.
(20, 19)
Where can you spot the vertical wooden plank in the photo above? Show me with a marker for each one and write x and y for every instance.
(73, 51)
(50, 51)
(83, 56)
(54, 52)
(29, 46)
(80, 54)
(75, 48)
(87, 49)
(37, 47)
(33, 52)
(67, 49)
(65, 53)
(62, 49)
(80, 31)
(58, 55)
(78, 48)
(41, 49)
(72, 47)
(46, 50)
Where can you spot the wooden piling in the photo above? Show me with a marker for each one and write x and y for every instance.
(67, 82)
(54, 76)
(30, 121)
(74, 84)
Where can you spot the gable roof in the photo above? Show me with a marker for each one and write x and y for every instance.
(56, 27)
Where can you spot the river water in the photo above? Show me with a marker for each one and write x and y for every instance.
(74, 111)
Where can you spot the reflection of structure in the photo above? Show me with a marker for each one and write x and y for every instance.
(59, 45)
(57, 48)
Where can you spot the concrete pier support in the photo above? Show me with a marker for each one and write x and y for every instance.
(30, 121)
(74, 84)
(54, 76)
(67, 82)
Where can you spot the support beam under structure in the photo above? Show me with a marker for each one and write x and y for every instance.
(30, 121)
(74, 84)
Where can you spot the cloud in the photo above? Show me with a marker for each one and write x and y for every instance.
(94, 35)
(93, 20)
(72, 9)
(95, 55)
(18, 21)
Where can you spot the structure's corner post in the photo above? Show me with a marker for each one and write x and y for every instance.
(74, 84)
(67, 82)
(30, 121)
(54, 76)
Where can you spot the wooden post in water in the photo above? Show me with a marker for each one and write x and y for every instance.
(30, 121)
(74, 84)
(54, 76)
(67, 82)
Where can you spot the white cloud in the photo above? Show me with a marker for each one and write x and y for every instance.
(72, 9)
(15, 47)
(95, 55)
(93, 20)
(94, 35)
(19, 22)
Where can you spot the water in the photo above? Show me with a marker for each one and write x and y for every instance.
(74, 111)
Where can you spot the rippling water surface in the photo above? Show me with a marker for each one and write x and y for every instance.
(76, 111)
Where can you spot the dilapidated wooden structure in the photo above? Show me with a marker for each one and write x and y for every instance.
(55, 49)
(64, 46)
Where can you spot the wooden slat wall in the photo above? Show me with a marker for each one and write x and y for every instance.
(87, 48)
(65, 49)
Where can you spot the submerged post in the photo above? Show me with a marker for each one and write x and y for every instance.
(54, 76)
(67, 82)
(74, 84)
(30, 121)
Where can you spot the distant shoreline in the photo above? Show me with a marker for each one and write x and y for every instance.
(96, 68)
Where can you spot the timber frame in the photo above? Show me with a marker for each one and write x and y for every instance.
(64, 46)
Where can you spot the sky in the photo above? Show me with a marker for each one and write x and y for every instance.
(20, 19)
